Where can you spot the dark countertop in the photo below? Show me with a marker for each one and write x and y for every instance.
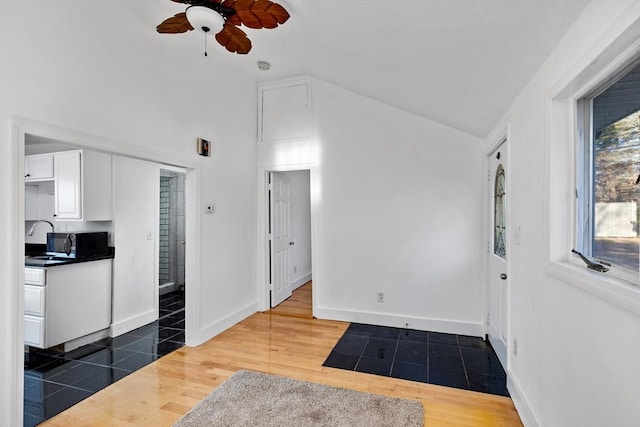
(38, 262)
(36, 256)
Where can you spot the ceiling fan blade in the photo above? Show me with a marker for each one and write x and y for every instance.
(175, 24)
(257, 13)
(233, 19)
(234, 39)
(197, 2)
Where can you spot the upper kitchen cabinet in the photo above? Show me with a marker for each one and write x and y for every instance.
(38, 167)
(285, 111)
(82, 186)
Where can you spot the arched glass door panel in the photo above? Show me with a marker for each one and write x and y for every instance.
(499, 217)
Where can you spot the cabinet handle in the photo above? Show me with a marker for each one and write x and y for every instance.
(27, 175)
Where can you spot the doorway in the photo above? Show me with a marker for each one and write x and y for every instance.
(497, 321)
(289, 233)
(24, 130)
(171, 232)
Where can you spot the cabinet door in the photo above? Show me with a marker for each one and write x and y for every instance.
(39, 167)
(34, 331)
(31, 203)
(285, 113)
(34, 298)
(68, 196)
(35, 276)
(96, 186)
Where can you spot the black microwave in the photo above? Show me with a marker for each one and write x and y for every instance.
(78, 245)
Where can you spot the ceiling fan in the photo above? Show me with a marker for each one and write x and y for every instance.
(223, 17)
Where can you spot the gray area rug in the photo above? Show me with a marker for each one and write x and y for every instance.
(256, 399)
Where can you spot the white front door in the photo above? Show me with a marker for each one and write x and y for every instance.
(498, 281)
(281, 238)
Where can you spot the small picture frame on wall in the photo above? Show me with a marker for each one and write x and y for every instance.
(204, 147)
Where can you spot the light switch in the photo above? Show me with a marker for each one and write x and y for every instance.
(149, 235)
(517, 234)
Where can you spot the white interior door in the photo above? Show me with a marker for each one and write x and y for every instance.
(281, 238)
(498, 280)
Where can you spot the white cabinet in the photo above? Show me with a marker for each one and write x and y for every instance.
(82, 186)
(38, 167)
(35, 280)
(285, 111)
(31, 203)
(34, 298)
(68, 201)
(34, 331)
(66, 302)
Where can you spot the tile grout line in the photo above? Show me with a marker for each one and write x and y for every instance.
(361, 353)
(395, 351)
(464, 366)
(428, 346)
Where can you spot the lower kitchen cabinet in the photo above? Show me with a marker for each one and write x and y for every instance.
(66, 302)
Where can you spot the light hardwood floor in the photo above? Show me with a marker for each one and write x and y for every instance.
(297, 305)
(287, 344)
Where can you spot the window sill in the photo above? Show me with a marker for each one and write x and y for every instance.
(614, 290)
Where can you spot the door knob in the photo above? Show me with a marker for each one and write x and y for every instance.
(503, 276)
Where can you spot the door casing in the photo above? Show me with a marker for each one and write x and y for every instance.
(20, 127)
(263, 261)
(504, 354)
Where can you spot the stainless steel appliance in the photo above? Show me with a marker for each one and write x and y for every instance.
(78, 245)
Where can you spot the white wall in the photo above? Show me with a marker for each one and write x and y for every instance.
(90, 68)
(136, 195)
(46, 207)
(301, 224)
(397, 208)
(577, 362)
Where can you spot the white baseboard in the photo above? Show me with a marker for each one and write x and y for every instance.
(301, 281)
(520, 402)
(225, 323)
(132, 323)
(400, 321)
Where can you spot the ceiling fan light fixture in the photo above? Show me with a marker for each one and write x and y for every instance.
(204, 19)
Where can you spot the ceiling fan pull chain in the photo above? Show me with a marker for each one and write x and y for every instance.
(205, 44)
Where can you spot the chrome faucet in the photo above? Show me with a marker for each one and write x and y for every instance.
(33, 227)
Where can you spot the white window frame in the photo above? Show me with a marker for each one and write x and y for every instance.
(584, 210)
(562, 157)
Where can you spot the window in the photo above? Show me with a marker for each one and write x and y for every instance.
(608, 169)
(499, 223)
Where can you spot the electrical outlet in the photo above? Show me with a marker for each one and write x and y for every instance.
(380, 296)
(515, 346)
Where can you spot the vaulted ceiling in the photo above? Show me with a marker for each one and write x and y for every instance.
(457, 62)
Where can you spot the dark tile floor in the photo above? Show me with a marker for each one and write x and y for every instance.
(450, 360)
(54, 382)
